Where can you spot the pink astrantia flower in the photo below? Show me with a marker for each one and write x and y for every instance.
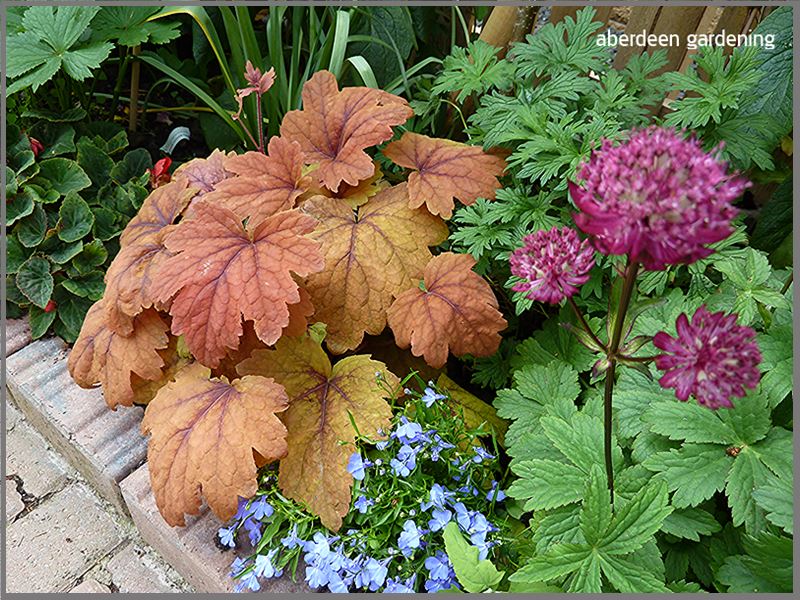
(552, 264)
(656, 197)
(712, 358)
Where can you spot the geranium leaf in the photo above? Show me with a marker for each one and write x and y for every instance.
(334, 127)
(370, 257)
(690, 523)
(264, 184)
(322, 401)
(103, 356)
(746, 474)
(204, 433)
(547, 483)
(560, 560)
(35, 281)
(222, 271)
(444, 170)
(595, 515)
(690, 422)
(629, 577)
(695, 471)
(130, 278)
(776, 498)
(638, 520)
(457, 311)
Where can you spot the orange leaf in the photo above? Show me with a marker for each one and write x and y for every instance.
(321, 436)
(457, 309)
(129, 279)
(203, 173)
(100, 355)
(354, 195)
(445, 170)
(335, 127)
(264, 184)
(370, 257)
(204, 432)
(144, 390)
(222, 271)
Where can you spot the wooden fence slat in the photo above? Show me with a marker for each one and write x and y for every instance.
(558, 13)
(642, 19)
(498, 27)
(682, 21)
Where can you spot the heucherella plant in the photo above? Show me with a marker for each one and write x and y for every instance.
(207, 307)
(426, 504)
(658, 199)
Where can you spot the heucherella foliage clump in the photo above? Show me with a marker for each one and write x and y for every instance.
(209, 306)
(430, 471)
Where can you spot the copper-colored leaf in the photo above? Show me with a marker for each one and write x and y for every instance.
(321, 400)
(204, 432)
(203, 173)
(144, 390)
(354, 195)
(335, 127)
(265, 184)
(100, 355)
(370, 257)
(222, 271)
(456, 310)
(444, 170)
(159, 209)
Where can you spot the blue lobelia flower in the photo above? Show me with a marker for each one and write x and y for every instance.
(383, 444)
(405, 462)
(439, 566)
(355, 466)
(253, 528)
(238, 565)
(439, 445)
(481, 454)
(441, 517)
(248, 581)
(263, 565)
(261, 509)
(373, 574)
(396, 586)
(317, 549)
(410, 539)
(336, 584)
(407, 432)
(363, 503)
(500, 494)
(463, 516)
(430, 396)
(227, 535)
(242, 511)
(317, 575)
(292, 540)
(437, 585)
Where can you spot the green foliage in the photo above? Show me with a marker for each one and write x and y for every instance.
(49, 40)
(64, 213)
(473, 70)
(131, 26)
(473, 574)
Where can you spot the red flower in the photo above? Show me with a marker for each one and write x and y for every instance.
(36, 146)
(159, 174)
(50, 306)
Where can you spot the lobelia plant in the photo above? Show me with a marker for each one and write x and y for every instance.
(206, 310)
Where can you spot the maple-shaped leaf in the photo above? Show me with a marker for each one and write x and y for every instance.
(265, 184)
(144, 390)
(370, 256)
(322, 401)
(354, 195)
(129, 278)
(223, 271)
(444, 170)
(456, 309)
(204, 432)
(204, 173)
(335, 127)
(101, 355)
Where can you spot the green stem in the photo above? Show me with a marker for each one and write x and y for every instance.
(616, 337)
(123, 70)
(787, 284)
(584, 323)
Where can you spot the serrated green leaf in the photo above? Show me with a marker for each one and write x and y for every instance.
(595, 515)
(633, 394)
(776, 498)
(35, 281)
(57, 138)
(638, 520)
(63, 175)
(689, 422)
(587, 579)
(133, 164)
(775, 451)
(648, 443)
(694, 472)
(547, 484)
(63, 253)
(32, 229)
(557, 526)
(94, 161)
(628, 577)
(746, 474)
(90, 286)
(75, 218)
(16, 254)
(93, 255)
(740, 578)
(473, 574)
(553, 342)
(560, 560)
(749, 419)
(71, 312)
(580, 440)
(690, 523)
(18, 206)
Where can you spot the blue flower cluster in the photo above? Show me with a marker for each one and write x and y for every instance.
(405, 560)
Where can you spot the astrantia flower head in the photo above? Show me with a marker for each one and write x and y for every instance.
(656, 197)
(712, 358)
(552, 264)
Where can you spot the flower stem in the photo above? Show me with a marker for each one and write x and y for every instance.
(787, 284)
(584, 323)
(616, 336)
(260, 118)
